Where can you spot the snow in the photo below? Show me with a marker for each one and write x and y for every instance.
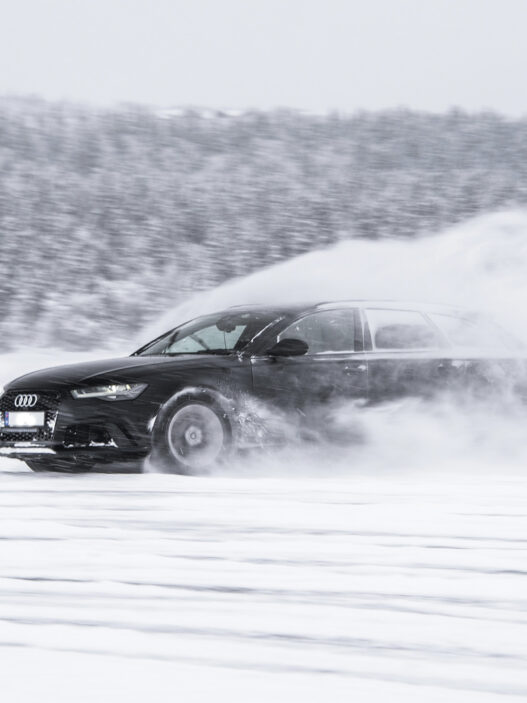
(394, 570)
(480, 263)
(406, 586)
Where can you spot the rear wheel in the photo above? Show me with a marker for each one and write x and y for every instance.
(191, 437)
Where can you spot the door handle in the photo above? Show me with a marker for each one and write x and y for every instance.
(359, 368)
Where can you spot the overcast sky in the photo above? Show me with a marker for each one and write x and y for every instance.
(312, 54)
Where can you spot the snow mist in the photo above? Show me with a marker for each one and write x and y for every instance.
(481, 264)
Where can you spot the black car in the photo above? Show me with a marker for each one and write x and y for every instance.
(193, 395)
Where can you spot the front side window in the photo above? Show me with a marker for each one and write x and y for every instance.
(401, 329)
(325, 331)
(223, 333)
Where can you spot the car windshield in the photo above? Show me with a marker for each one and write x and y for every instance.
(223, 333)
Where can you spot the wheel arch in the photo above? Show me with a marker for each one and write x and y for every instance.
(202, 393)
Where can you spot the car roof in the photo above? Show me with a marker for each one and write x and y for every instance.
(389, 304)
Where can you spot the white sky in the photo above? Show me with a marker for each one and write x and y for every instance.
(312, 54)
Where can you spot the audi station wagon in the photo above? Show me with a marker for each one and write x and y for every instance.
(207, 388)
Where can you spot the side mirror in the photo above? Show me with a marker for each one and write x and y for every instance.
(288, 347)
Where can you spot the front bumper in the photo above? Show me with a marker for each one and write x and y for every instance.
(93, 430)
(93, 454)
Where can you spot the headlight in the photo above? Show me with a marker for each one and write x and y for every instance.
(115, 391)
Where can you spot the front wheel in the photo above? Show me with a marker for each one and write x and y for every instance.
(191, 437)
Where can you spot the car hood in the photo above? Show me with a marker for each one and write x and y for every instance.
(131, 368)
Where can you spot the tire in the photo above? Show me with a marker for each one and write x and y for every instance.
(65, 466)
(191, 436)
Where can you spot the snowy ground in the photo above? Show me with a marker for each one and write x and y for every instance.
(385, 575)
(387, 587)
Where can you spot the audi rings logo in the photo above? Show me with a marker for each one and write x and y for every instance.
(26, 400)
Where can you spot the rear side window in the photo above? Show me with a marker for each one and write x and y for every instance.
(324, 331)
(401, 329)
(472, 333)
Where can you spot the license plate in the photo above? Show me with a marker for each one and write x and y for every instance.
(24, 419)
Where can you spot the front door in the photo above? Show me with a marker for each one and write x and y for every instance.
(333, 369)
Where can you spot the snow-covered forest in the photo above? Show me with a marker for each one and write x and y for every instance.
(110, 216)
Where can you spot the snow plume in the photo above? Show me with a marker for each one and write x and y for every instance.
(481, 264)
(409, 437)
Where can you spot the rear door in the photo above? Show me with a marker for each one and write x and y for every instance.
(408, 355)
(335, 366)
(486, 356)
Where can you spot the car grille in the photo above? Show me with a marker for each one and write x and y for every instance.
(48, 402)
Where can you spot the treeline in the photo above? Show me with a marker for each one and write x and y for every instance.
(109, 216)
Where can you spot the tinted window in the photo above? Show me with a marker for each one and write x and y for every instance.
(324, 331)
(474, 333)
(401, 329)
